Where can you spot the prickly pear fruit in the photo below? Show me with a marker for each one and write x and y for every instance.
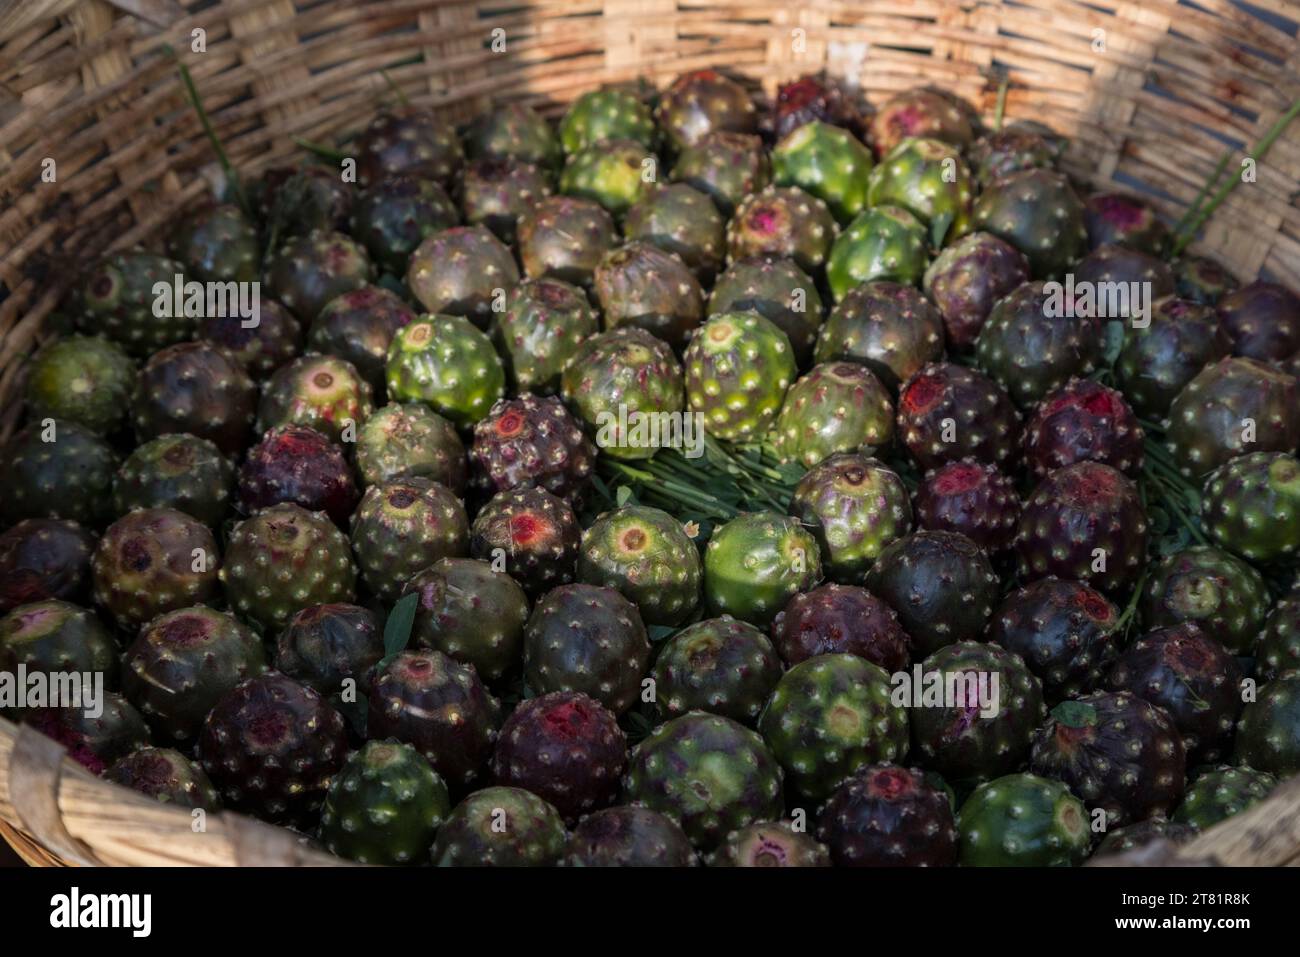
(883, 243)
(1278, 647)
(887, 816)
(840, 619)
(1267, 739)
(531, 535)
(283, 559)
(1145, 833)
(929, 179)
(1008, 151)
(58, 470)
(940, 583)
(295, 200)
(564, 237)
(681, 220)
(531, 442)
(629, 836)
(176, 471)
(642, 285)
(703, 102)
(1157, 360)
(1219, 592)
(44, 558)
(321, 392)
(167, 775)
(52, 637)
(564, 747)
(1201, 279)
(461, 271)
(500, 827)
(394, 215)
(1218, 794)
(1114, 218)
(718, 665)
(514, 131)
(408, 140)
(544, 324)
(708, 773)
(967, 278)
(296, 464)
(599, 115)
(197, 388)
(308, 271)
(1083, 421)
(1023, 820)
(438, 706)
(738, 368)
(1251, 505)
(82, 379)
(614, 173)
(727, 167)
(778, 290)
(218, 244)
(589, 639)
(855, 506)
(948, 412)
(470, 612)
(812, 98)
(1037, 211)
(919, 112)
(116, 299)
(495, 192)
(271, 746)
(261, 348)
(94, 743)
(403, 526)
(1130, 268)
(183, 663)
(409, 441)
(784, 222)
(972, 498)
(646, 555)
(447, 363)
(755, 563)
(325, 645)
(837, 407)
(358, 327)
(889, 327)
(384, 806)
(827, 162)
(770, 844)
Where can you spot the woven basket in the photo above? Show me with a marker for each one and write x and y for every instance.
(1151, 94)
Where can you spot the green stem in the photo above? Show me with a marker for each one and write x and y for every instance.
(196, 101)
(401, 97)
(1208, 185)
(321, 150)
(1001, 106)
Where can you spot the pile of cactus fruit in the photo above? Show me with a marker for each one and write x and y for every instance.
(669, 478)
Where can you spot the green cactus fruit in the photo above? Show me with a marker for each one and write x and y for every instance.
(440, 707)
(1085, 522)
(1022, 820)
(1083, 421)
(1008, 151)
(1219, 592)
(738, 368)
(979, 707)
(81, 379)
(447, 363)
(198, 388)
(1230, 408)
(394, 215)
(1114, 218)
(531, 442)
(1251, 506)
(1158, 359)
(500, 827)
(94, 743)
(296, 464)
(590, 639)
(358, 327)
(271, 747)
(940, 583)
(827, 162)
(116, 298)
(1119, 753)
(972, 498)
(614, 173)
(52, 637)
(718, 665)
(1201, 279)
(599, 115)
(920, 112)
(405, 525)
(308, 271)
(646, 555)
(756, 563)
(564, 747)
(882, 243)
(703, 102)
(59, 470)
(837, 407)
(324, 646)
(770, 844)
(889, 327)
(514, 131)
(967, 278)
(708, 773)
(1143, 834)
(1064, 631)
(855, 506)
(152, 561)
(44, 558)
(783, 222)
(619, 383)
(887, 816)
(828, 717)
(840, 619)
(544, 324)
(629, 836)
(218, 244)
(284, 559)
(531, 535)
(182, 663)
(462, 271)
(640, 284)
(495, 192)
(167, 775)
(176, 471)
(1037, 211)
(324, 393)
(679, 219)
(948, 412)
(1278, 648)
(1218, 794)
(410, 441)
(1031, 347)
(408, 140)
(295, 200)
(1268, 734)
(384, 806)
(470, 612)
(929, 179)
(776, 289)
(563, 237)
(260, 348)
(727, 167)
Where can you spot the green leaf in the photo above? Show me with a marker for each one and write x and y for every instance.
(1114, 340)
(622, 495)
(397, 630)
(939, 229)
(658, 633)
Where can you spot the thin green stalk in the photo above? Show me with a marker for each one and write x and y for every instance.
(196, 101)
(1208, 185)
(1001, 106)
(401, 97)
(321, 150)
